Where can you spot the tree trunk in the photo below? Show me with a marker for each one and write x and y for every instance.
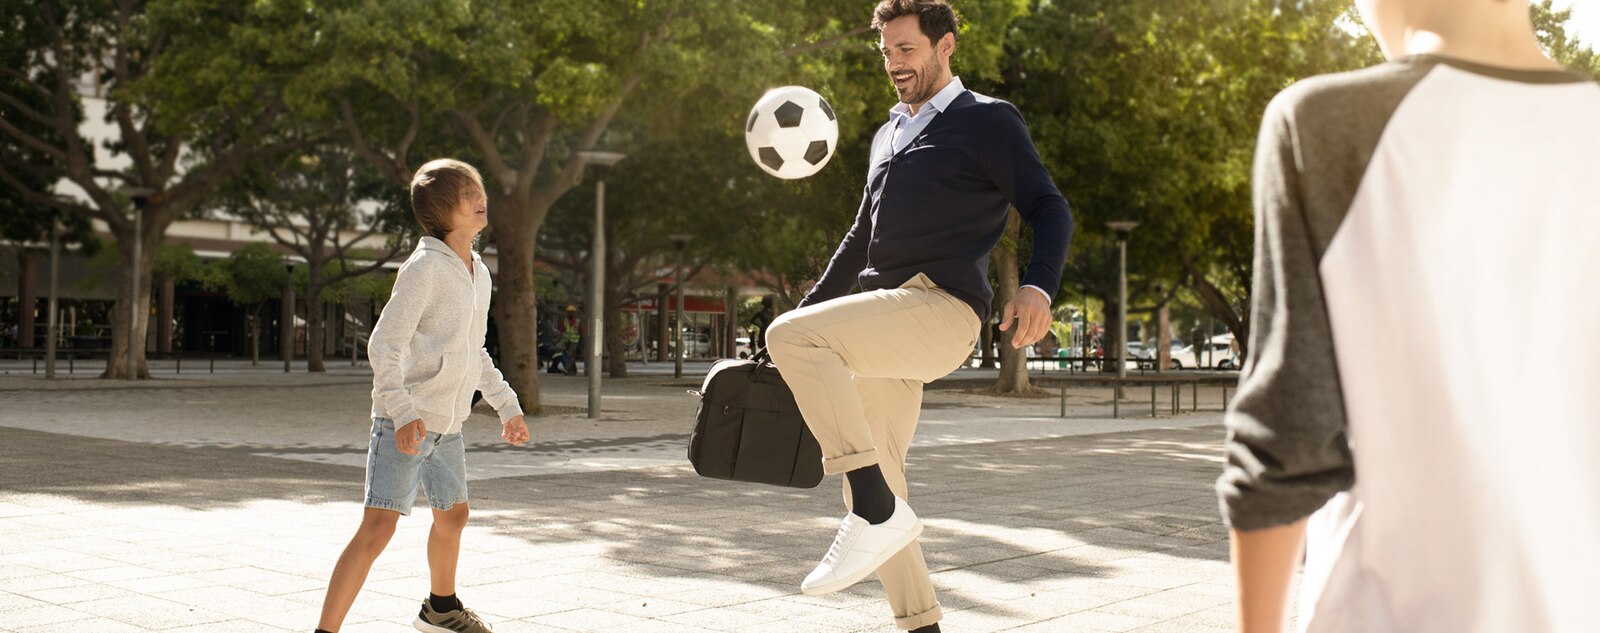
(315, 323)
(1111, 341)
(986, 339)
(663, 330)
(1013, 361)
(1216, 305)
(26, 298)
(254, 324)
(286, 315)
(515, 311)
(730, 336)
(133, 288)
(1163, 339)
(617, 363)
(164, 310)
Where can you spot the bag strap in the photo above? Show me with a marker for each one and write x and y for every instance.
(761, 358)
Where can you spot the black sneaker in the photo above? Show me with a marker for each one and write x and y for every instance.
(459, 621)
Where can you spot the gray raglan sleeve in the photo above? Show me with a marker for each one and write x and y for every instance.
(1287, 449)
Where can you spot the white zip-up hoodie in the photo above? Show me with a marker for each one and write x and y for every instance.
(427, 349)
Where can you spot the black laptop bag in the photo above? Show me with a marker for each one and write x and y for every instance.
(748, 428)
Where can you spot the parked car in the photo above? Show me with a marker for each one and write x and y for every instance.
(1217, 353)
(697, 343)
(743, 347)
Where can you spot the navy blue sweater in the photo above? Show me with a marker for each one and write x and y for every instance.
(939, 206)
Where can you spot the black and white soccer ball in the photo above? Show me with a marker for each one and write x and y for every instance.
(792, 132)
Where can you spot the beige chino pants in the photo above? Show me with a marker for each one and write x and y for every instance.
(857, 365)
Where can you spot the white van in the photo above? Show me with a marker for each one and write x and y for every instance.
(1217, 353)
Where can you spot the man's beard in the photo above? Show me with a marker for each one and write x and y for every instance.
(922, 89)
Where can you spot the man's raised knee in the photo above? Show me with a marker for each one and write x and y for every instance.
(783, 332)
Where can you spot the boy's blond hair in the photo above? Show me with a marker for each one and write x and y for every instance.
(437, 190)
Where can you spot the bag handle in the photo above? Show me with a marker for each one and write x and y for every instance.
(761, 358)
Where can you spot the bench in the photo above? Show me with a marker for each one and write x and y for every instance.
(1173, 382)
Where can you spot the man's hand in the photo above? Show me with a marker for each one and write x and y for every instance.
(514, 431)
(1029, 314)
(407, 438)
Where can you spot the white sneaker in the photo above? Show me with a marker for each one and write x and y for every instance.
(860, 548)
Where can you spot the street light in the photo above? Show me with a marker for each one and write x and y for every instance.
(602, 161)
(140, 196)
(1122, 228)
(681, 240)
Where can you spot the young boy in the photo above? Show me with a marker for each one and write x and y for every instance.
(1403, 212)
(427, 359)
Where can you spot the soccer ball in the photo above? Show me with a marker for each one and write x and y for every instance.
(791, 132)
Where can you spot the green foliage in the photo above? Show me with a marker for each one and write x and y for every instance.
(347, 288)
(1551, 27)
(249, 275)
(176, 263)
(309, 198)
(1147, 110)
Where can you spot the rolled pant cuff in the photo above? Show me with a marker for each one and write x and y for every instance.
(920, 620)
(847, 463)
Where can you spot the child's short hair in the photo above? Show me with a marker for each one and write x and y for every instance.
(437, 189)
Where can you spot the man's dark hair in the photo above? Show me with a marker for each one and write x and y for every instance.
(934, 16)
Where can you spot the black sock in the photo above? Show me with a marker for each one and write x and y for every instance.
(444, 604)
(322, 631)
(870, 495)
(931, 628)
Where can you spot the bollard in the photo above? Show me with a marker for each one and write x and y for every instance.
(1152, 399)
(179, 358)
(36, 364)
(213, 364)
(1063, 399)
(70, 359)
(1224, 397)
(1116, 401)
(1194, 397)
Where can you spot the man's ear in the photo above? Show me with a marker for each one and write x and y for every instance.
(947, 44)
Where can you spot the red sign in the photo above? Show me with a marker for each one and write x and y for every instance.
(691, 303)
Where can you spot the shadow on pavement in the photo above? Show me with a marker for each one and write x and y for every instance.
(1004, 511)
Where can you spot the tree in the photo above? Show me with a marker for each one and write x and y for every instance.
(321, 205)
(1169, 144)
(187, 95)
(1551, 27)
(1007, 264)
(522, 87)
(250, 277)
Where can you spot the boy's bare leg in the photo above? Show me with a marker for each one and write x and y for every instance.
(350, 573)
(444, 548)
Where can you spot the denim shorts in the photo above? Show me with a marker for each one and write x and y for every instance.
(439, 467)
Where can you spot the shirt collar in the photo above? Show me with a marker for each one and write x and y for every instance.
(939, 102)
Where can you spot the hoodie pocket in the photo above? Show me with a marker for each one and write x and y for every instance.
(438, 393)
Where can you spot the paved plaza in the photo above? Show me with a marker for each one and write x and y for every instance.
(219, 502)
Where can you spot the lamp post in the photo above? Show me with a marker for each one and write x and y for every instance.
(140, 196)
(602, 161)
(1122, 228)
(681, 240)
